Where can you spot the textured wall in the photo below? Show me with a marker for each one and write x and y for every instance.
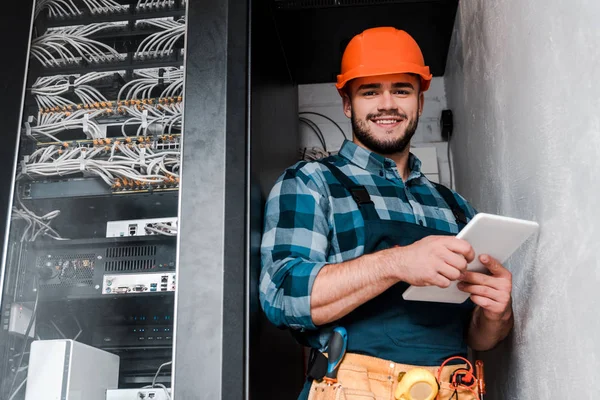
(523, 80)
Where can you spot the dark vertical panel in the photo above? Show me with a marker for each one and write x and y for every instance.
(276, 364)
(15, 27)
(237, 130)
(199, 306)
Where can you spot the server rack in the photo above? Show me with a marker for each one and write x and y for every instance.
(103, 87)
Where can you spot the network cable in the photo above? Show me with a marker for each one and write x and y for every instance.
(71, 45)
(161, 44)
(68, 9)
(121, 165)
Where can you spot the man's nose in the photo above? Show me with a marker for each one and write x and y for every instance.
(386, 102)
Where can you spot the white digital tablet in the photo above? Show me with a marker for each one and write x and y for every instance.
(490, 234)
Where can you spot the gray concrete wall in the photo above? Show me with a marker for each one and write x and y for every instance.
(523, 80)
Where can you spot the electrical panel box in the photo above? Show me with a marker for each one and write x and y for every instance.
(69, 370)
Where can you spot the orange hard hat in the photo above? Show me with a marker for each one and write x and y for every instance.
(383, 51)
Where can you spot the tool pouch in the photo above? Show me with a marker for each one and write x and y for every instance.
(324, 391)
(353, 384)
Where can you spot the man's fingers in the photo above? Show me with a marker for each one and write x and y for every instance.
(490, 293)
(488, 304)
(455, 260)
(461, 247)
(450, 272)
(477, 278)
(494, 266)
(441, 281)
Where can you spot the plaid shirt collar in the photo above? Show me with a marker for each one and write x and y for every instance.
(374, 163)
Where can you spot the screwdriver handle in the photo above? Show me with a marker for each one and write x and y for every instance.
(335, 352)
(480, 377)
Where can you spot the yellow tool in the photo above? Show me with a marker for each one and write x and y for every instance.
(416, 384)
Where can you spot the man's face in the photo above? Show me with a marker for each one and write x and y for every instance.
(384, 111)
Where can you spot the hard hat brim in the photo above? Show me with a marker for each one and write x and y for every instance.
(403, 68)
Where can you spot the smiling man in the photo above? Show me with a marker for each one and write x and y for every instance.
(345, 236)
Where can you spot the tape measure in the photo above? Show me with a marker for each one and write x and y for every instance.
(416, 384)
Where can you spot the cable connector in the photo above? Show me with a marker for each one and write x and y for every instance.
(82, 162)
(27, 125)
(86, 125)
(145, 119)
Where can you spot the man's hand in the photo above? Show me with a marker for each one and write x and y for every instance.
(492, 319)
(491, 292)
(432, 261)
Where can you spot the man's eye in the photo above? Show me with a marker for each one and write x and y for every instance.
(369, 93)
(402, 92)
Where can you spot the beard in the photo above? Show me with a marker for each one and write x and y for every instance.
(384, 146)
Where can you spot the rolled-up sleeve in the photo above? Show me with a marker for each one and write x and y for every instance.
(294, 247)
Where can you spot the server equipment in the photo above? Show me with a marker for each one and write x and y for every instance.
(91, 263)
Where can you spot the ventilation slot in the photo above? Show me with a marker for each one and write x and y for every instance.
(131, 251)
(69, 269)
(129, 265)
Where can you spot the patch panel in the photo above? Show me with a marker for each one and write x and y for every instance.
(142, 227)
(118, 284)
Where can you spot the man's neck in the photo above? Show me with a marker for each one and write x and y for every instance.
(401, 159)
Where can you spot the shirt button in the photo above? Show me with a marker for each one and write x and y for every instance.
(380, 173)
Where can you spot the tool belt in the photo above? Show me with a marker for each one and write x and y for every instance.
(363, 377)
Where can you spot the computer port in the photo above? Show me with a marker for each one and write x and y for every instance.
(121, 290)
(164, 279)
(132, 229)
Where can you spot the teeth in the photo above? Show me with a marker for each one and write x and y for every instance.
(386, 121)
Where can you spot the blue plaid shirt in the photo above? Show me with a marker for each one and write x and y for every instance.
(307, 226)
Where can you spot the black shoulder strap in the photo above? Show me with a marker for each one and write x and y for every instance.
(448, 196)
(359, 193)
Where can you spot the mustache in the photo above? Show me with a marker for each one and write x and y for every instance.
(388, 114)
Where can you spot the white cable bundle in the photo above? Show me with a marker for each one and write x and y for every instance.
(168, 113)
(160, 44)
(58, 8)
(50, 125)
(60, 84)
(169, 117)
(47, 91)
(121, 165)
(104, 6)
(68, 9)
(149, 79)
(59, 47)
(36, 225)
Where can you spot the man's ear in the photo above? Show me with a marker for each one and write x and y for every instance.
(421, 103)
(347, 104)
